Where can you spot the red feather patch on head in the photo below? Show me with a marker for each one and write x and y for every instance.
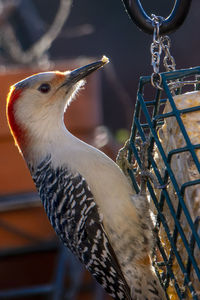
(17, 131)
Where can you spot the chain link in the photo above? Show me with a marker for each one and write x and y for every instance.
(159, 45)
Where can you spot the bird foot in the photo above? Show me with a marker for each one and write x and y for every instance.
(122, 159)
(123, 162)
(153, 179)
(144, 172)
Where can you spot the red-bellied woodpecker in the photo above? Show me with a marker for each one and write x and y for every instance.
(89, 201)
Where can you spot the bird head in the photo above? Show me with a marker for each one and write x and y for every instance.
(35, 105)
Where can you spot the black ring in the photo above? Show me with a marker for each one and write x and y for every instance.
(145, 23)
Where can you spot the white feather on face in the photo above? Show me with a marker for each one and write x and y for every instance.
(42, 113)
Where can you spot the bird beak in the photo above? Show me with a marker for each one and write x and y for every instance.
(82, 72)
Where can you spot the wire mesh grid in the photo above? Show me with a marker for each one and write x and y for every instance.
(177, 257)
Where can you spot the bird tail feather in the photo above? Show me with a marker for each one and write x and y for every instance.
(146, 285)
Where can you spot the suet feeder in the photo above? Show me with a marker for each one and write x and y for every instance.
(167, 114)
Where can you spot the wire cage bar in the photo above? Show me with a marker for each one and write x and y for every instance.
(177, 256)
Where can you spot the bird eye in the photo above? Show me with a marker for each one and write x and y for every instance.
(44, 88)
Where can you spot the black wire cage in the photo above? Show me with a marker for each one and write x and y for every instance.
(177, 204)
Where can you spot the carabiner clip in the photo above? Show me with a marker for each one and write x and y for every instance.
(168, 25)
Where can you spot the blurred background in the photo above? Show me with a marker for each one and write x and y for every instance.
(44, 35)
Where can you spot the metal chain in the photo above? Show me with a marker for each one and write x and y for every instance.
(156, 51)
(159, 45)
(168, 60)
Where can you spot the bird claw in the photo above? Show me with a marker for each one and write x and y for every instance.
(153, 179)
(145, 173)
(122, 159)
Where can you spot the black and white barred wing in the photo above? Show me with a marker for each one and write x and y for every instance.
(76, 219)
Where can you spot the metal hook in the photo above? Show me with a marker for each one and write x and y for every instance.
(145, 23)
